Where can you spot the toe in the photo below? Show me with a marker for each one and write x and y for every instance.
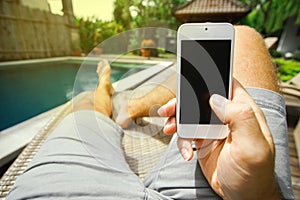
(103, 66)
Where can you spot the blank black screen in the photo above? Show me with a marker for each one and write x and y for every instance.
(205, 66)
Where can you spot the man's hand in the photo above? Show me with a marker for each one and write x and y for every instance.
(242, 165)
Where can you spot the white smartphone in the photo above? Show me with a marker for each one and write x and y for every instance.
(204, 68)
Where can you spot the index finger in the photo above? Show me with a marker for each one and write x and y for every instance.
(169, 109)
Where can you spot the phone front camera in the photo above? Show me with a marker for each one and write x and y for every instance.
(206, 29)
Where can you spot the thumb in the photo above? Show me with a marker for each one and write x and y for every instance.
(218, 104)
(248, 137)
(239, 116)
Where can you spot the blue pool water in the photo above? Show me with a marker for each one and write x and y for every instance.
(29, 90)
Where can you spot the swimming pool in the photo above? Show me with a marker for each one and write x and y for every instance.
(30, 88)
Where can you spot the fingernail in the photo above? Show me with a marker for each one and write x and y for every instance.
(168, 125)
(167, 128)
(161, 112)
(219, 103)
(185, 154)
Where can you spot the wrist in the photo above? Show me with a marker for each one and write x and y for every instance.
(273, 192)
(258, 190)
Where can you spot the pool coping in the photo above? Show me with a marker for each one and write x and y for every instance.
(15, 138)
(126, 59)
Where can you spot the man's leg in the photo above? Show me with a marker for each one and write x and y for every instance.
(143, 106)
(83, 157)
(252, 65)
(253, 68)
(177, 178)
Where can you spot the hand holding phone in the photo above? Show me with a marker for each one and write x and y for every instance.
(204, 57)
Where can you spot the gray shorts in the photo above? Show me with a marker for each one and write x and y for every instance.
(83, 159)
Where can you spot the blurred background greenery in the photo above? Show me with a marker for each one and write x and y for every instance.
(83, 25)
(268, 17)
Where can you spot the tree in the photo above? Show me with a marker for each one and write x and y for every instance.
(269, 16)
(93, 31)
(122, 13)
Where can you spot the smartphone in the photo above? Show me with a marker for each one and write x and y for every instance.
(204, 68)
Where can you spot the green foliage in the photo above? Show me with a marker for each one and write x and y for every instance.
(122, 13)
(253, 19)
(287, 68)
(275, 54)
(296, 55)
(141, 13)
(251, 3)
(269, 16)
(93, 31)
(161, 50)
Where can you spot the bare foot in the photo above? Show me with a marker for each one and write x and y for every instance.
(102, 66)
(103, 71)
(104, 91)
